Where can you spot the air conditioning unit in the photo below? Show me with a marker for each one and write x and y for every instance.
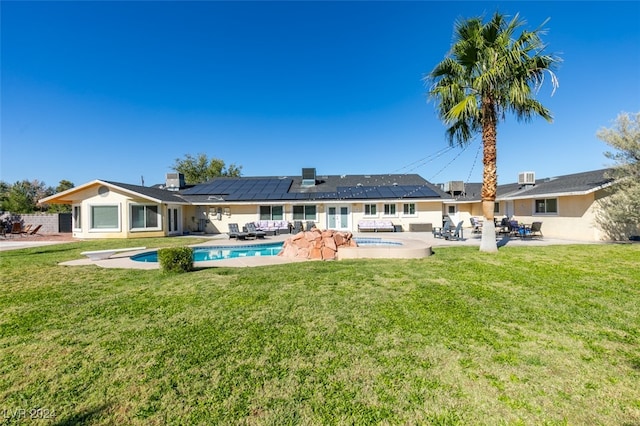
(526, 178)
(308, 177)
(454, 186)
(174, 181)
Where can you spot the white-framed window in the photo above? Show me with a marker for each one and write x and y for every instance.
(305, 212)
(451, 209)
(409, 209)
(144, 217)
(496, 207)
(546, 205)
(105, 217)
(370, 210)
(271, 213)
(389, 209)
(77, 218)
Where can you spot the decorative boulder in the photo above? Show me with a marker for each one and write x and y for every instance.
(316, 244)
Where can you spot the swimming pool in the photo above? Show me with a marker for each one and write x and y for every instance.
(201, 254)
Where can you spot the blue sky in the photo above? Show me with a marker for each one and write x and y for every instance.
(119, 90)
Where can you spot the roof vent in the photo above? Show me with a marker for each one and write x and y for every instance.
(308, 177)
(174, 181)
(526, 178)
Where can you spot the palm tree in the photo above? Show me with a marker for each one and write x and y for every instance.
(488, 73)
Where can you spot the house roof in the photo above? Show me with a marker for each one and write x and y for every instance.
(154, 193)
(573, 184)
(151, 193)
(279, 188)
(283, 188)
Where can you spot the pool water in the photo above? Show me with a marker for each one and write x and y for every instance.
(376, 242)
(201, 254)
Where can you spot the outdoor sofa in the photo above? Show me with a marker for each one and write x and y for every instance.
(273, 227)
(375, 225)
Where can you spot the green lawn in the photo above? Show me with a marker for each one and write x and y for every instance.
(532, 335)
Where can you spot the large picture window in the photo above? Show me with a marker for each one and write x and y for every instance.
(547, 205)
(304, 212)
(271, 213)
(144, 217)
(105, 218)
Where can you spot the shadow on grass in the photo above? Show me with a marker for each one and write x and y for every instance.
(503, 241)
(83, 417)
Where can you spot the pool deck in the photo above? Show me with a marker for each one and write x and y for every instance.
(415, 244)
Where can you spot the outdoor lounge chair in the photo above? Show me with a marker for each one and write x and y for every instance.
(16, 229)
(234, 232)
(253, 232)
(455, 233)
(439, 232)
(34, 231)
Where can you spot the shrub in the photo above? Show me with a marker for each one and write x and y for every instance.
(176, 259)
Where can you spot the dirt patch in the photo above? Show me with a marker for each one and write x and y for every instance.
(43, 237)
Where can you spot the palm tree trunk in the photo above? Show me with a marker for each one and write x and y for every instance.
(489, 176)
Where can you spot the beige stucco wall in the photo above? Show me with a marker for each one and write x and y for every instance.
(575, 219)
(89, 196)
(426, 212)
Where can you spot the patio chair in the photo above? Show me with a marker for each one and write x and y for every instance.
(440, 232)
(16, 229)
(476, 225)
(234, 232)
(34, 231)
(503, 226)
(297, 226)
(455, 233)
(534, 231)
(514, 228)
(253, 231)
(310, 225)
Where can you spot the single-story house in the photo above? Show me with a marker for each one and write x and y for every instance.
(566, 205)
(104, 209)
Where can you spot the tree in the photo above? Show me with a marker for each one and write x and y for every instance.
(619, 214)
(21, 198)
(488, 73)
(201, 169)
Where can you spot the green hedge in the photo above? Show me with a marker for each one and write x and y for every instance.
(176, 259)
